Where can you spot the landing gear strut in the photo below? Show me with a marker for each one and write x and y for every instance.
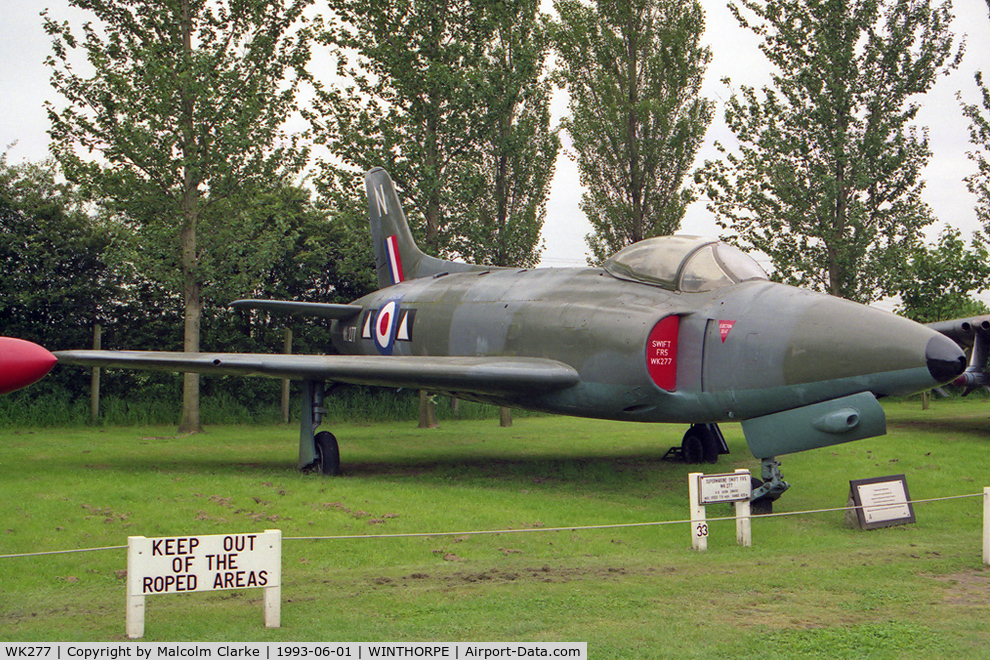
(770, 489)
(317, 451)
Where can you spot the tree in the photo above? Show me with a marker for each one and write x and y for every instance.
(410, 103)
(184, 108)
(936, 282)
(979, 137)
(54, 283)
(633, 69)
(506, 210)
(446, 96)
(826, 179)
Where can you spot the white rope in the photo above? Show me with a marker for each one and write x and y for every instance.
(573, 528)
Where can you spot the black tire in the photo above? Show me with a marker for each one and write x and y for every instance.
(327, 454)
(692, 447)
(709, 447)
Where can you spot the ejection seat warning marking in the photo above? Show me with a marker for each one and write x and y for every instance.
(661, 353)
(724, 328)
(202, 563)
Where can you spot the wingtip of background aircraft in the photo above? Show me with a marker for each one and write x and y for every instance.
(22, 363)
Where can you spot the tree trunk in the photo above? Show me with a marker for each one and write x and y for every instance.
(190, 422)
(192, 179)
(505, 417)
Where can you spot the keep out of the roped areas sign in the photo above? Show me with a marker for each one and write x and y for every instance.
(181, 564)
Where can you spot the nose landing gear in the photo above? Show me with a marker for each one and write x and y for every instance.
(769, 490)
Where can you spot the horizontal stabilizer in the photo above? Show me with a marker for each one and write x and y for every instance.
(484, 376)
(292, 308)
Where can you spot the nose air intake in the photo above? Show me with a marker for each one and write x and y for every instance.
(944, 358)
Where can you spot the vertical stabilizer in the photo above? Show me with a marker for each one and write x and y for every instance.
(397, 257)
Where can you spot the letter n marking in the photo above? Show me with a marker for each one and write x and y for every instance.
(380, 200)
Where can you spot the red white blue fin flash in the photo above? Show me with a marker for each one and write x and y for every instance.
(394, 259)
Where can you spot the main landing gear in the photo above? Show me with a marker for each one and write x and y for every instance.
(317, 451)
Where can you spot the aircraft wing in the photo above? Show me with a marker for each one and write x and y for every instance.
(487, 376)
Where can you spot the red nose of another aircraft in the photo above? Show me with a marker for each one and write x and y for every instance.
(22, 363)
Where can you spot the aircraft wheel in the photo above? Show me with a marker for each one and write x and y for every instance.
(327, 454)
(692, 447)
(709, 448)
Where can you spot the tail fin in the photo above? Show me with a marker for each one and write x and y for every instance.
(397, 257)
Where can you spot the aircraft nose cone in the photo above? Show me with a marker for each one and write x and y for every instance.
(944, 358)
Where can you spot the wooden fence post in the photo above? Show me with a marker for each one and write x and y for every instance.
(285, 383)
(95, 378)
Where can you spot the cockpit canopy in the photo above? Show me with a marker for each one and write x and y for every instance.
(684, 263)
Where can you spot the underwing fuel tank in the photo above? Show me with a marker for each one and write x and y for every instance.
(22, 363)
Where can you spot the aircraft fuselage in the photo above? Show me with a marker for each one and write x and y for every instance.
(648, 354)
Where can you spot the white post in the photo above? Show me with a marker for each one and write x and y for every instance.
(699, 527)
(135, 600)
(986, 525)
(273, 595)
(744, 530)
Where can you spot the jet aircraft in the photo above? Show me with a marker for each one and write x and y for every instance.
(672, 329)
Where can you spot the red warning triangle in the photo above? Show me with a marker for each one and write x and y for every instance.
(724, 328)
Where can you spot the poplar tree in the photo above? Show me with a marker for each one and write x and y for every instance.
(183, 106)
(979, 136)
(408, 100)
(506, 206)
(826, 176)
(633, 69)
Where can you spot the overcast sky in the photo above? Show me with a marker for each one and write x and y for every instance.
(24, 88)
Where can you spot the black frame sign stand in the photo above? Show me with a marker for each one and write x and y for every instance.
(879, 502)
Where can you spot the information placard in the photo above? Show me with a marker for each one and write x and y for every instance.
(882, 501)
(717, 488)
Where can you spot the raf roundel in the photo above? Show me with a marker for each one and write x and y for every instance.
(384, 331)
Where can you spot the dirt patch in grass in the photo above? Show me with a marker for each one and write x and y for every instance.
(544, 573)
(966, 588)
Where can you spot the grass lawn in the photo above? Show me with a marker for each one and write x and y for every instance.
(808, 588)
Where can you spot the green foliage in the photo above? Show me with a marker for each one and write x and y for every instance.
(54, 285)
(826, 179)
(184, 107)
(506, 204)
(51, 257)
(936, 282)
(633, 69)
(979, 137)
(442, 95)
(226, 400)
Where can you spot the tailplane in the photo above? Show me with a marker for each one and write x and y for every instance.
(397, 257)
